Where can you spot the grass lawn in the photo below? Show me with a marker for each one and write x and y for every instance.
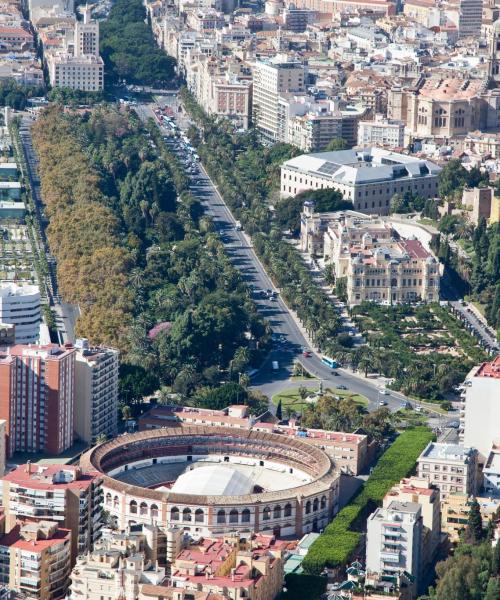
(426, 221)
(290, 397)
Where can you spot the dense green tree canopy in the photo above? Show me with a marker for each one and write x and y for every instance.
(129, 49)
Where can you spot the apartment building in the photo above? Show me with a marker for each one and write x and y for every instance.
(20, 306)
(234, 567)
(115, 569)
(84, 73)
(82, 68)
(368, 177)
(491, 473)
(271, 78)
(15, 39)
(37, 397)
(420, 491)
(60, 493)
(455, 510)
(96, 392)
(394, 540)
(35, 560)
(470, 18)
(379, 264)
(3, 429)
(480, 411)
(381, 132)
(449, 467)
(220, 87)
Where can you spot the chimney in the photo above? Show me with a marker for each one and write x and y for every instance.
(232, 573)
(28, 467)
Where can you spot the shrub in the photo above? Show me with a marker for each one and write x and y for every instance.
(338, 542)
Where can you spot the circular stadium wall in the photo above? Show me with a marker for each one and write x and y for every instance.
(211, 481)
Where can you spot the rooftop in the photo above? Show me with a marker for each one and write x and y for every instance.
(50, 477)
(448, 452)
(368, 165)
(451, 89)
(490, 369)
(214, 480)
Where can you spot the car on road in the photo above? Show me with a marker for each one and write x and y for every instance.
(342, 387)
(454, 424)
(382, 403)
(307, 353)
(384, 391)
(418, 408)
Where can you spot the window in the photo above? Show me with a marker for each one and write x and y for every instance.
(267, 513)
(154, 510)
(108, 498)
(174, 514)
(133, 507)
(277, 512)
(186, 514)
(288, 510)
(245, 515)
(323, 502)
(221, 516)
(199, 515)
(308, 507)
(233, 516)
(315, 504)
(143, 509)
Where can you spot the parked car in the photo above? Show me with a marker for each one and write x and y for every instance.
(342, 387)
(306, 353)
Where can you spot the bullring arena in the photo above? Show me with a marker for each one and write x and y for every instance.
(211, 481)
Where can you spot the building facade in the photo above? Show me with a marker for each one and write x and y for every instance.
(480, 412)
(377, 262)
(394, 540)
(219, 500)
(60, 493)
(20, 306)
(381, 132)
(35, 560)
(37, 397)
(369, 178)
(449, 467)
(96, 392)
(271, 78)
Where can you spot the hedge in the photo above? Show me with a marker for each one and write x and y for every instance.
(303, 587)
(337, 544)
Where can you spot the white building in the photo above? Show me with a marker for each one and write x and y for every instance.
(480, 413)
(271, 78)
(20, 306)
(491, 473)
(449, 467)
(381, 132)
(369, 178)
(83, 68)
(96, 392)
(394, 539)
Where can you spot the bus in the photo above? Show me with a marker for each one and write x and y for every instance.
(329, 362)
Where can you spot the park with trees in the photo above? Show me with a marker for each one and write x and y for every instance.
(135, 250)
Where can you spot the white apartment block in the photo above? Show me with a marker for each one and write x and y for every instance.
(449, 467)
(421, 492)
(381, 132)
(369, 178)
(272, 78)
(20, 306)
(379, 264)
(394, 539)
(480, 412)
(96, 392)
(83, 68)
(84, 73)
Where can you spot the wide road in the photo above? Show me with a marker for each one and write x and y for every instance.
(238, 247)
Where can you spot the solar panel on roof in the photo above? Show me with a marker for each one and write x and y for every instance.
(328, 168)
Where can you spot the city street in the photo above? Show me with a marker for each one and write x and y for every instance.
(290, 349)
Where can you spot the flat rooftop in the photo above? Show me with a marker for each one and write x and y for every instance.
(448, 452)
(490, 369)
